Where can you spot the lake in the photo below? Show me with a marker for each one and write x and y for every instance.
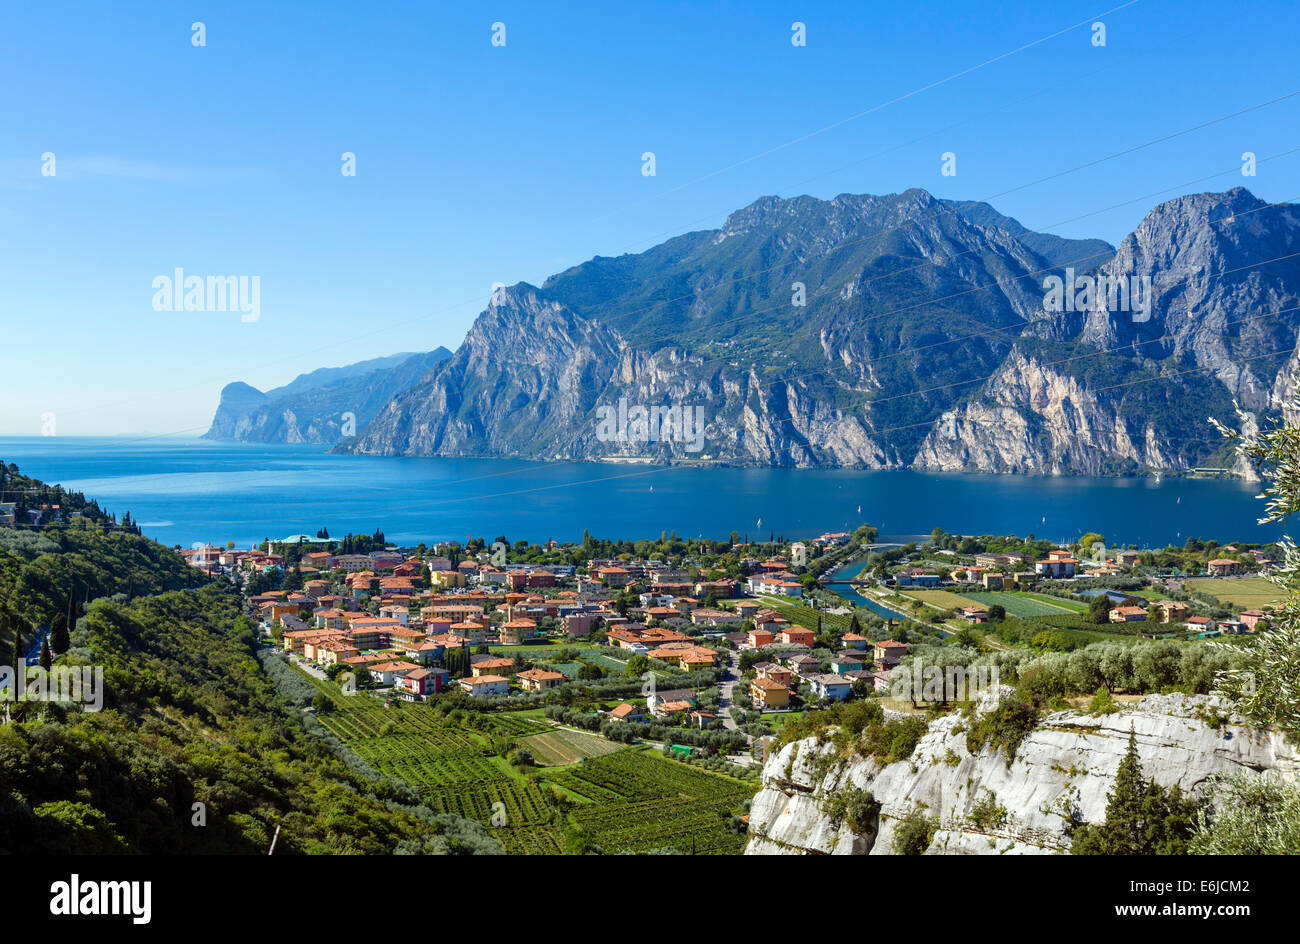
(187, 490)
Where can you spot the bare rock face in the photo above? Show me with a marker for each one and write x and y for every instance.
(1038, 420)
(1062, 772)
(865, 332)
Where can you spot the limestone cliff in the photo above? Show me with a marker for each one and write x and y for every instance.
(1062, 772)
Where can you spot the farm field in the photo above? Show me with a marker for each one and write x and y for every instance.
(562, 746)
(639, 801)
(1246, 592)
(1020, 604)
(943, 599)
(806, 616)
(623, 798)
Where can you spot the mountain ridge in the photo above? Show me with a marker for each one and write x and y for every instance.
(879, 331)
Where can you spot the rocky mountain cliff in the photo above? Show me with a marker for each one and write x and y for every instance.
(320, 407)
(1061, 773)
(874, 332)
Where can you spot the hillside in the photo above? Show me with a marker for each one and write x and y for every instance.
(184, 716)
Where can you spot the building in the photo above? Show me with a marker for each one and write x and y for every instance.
(888, 653)
(1128, 614)
(626, 712)
(484, 685)
(1172, 611)
(538, 680)
(831, 687)
(423, 682)
(515, 631)
(769, 693)
(1251, 618)
(1058, 565)
(1223, 567)
(797, 636)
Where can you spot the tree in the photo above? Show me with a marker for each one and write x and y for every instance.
(1099, 609)
(1266, 682)
(1142, 818)
(59, 639)
(1249, 814)
(47, 658)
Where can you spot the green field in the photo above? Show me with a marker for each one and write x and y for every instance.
(1249, 593)
(562, 746)
(638, 801)
(943, 599)
(628, 799)
(1022, 604)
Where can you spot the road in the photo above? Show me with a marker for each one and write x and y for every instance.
(729, 682)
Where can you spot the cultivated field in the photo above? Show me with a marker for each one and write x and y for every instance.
(562, 746)
(1246, 592)
(1018, 604)
(943, 599)
(626, 798)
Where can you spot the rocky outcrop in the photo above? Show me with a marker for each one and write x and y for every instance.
(1035, 419)
(1061, 773)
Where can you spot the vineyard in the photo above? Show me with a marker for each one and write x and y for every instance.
(639, 802)
(624, 799)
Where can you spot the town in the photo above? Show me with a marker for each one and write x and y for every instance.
(704, 650)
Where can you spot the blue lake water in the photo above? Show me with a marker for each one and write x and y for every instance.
(182, 491)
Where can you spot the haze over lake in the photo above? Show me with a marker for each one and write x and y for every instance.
(187, 490)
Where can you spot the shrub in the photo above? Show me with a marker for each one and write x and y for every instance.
(914, 833)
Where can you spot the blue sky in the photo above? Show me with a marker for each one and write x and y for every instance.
(478, 164)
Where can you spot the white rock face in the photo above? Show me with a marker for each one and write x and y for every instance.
(1063, 770)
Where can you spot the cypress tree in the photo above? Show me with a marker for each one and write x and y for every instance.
(47, 659)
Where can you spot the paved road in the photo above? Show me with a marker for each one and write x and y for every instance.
(729, 682)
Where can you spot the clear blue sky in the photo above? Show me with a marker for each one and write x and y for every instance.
(478, 164)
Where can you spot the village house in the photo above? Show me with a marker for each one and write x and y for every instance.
(481, 686)
(830, 687)
(1223, 567)
(797, 636)
(1251, 618)
(888, 652)
(386, 673)
(703, 617)
(423, 682)
(536, 680)
(1127, 614)
(626, 712)
(492, 665)
(768, 693)
(1172, 611)
(515, 631)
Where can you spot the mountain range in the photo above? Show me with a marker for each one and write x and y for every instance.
(864, 331)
